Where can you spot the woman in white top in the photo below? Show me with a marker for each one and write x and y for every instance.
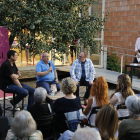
(122, 91)
(98, 98)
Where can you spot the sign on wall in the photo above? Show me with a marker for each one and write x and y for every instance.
(4, 44)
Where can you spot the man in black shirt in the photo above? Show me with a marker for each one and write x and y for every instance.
(9, 82)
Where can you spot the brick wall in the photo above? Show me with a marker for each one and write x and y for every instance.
(123, 25)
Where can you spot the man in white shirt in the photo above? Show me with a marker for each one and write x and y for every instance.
(137, 52)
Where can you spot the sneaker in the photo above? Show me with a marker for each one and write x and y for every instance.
(16, 106)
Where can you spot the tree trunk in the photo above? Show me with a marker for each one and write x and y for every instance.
(11, 39)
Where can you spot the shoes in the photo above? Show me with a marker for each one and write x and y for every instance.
(16, 106)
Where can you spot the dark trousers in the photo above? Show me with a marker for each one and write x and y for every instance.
(21, 93)
(85, 83)
(46, 85)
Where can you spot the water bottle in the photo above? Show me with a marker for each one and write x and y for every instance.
(52, 94)
(61, 93)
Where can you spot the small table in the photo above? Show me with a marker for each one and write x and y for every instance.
(133, 65)
(56, 96)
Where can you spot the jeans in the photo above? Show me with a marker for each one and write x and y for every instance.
(46, 85)
(21, 93)
(85, 83)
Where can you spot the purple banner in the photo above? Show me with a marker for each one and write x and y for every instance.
(4, 44)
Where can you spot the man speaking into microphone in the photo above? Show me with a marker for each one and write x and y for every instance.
(46, 73)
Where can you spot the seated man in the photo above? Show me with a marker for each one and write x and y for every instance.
(9, 82)
(46, 73)
(82, 71)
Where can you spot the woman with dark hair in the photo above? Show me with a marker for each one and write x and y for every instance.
(122, 91)
(99, 97)
(107, 122)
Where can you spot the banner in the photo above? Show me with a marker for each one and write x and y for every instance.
(4, 48)
(4, 44)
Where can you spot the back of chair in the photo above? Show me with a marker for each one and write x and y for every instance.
(46, 125)
(132, 136)
(122, 106)
(93, 111)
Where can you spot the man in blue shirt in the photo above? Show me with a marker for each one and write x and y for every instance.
(82, 71)
(46, 73)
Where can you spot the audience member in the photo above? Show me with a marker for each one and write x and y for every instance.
(1, 111)
(9, 82)
(122, 91)
(65, 104)
(82, 71)
(107, 122)
(99, 97)
(133, 124)
(24, 126)
(46, 73)
(40, 109)
(86, 134)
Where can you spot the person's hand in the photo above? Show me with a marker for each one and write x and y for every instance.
(56, 80)
(90, 82)
(50, 69)
(15, 76)
(76, 83)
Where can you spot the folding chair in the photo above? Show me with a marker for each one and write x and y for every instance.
(93, 111)
(122, 106)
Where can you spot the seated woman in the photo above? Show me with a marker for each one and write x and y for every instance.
(123, 90)
(133, 124)
(39, 109)
(107, 122)
(65, 104)
(24, 126)
(99, 97)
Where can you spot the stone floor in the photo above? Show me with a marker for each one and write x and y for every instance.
(33, 84)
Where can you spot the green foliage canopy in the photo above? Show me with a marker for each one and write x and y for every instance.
(57, 18)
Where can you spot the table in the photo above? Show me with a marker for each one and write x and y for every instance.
(133, 65)
(56, 96)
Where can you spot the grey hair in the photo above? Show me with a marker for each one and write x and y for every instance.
(133, 105)
(23, 124)
(86, 134)
(43, 54)
(40, 95)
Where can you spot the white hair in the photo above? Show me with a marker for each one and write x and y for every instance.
(86, 134)
(40, 95)
(133, 105)
(23, 124)
(43, 54)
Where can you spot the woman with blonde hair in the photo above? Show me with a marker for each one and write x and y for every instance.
(107, 122)
(24, 127)
(98, 98)
(122, 91)
(68, 103)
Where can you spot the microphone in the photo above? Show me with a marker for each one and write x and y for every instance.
(50, 65)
